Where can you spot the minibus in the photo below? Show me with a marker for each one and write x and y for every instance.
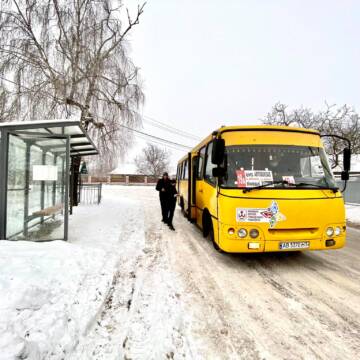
(264, 188)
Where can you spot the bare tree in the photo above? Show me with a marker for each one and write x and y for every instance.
(343, 121)
(153, 160)
(69, 58)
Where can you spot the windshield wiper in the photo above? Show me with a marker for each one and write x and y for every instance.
(334, 189)
(282, 182)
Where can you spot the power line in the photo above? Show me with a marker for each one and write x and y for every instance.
(157, 138)
(169, 128)
(154, 138)
(159, 143)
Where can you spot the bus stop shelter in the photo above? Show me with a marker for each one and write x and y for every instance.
(35, 177)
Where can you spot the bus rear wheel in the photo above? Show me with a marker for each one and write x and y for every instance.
(206, 223)
(181, 204)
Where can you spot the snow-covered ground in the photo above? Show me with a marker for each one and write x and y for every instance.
(353, 213)
(126, 287)
(73, 300)
(52, 293)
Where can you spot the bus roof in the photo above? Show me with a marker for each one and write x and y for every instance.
(251, 128)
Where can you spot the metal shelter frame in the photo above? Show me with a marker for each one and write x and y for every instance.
(76, 142)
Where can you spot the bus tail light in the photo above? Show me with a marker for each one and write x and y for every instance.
(254, 233)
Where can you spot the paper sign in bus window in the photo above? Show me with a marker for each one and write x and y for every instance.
(240, 178)
(252, 178)
(289, 179)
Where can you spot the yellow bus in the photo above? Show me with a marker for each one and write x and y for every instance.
(263, 188)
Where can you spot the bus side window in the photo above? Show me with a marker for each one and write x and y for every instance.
(200, 165)
(209, 165)
(183, 170)
(186, 170)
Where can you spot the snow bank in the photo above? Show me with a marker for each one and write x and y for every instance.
(353, 213)
(50, 295)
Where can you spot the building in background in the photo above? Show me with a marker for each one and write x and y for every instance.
(126, 173)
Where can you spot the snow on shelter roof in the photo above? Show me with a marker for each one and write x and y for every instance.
(80, 142)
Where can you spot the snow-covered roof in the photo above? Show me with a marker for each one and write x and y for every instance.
(125, 169)
(37, 122)
(80, 142)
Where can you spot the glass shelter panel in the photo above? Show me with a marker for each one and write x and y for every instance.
(36, 188)
(16, 186)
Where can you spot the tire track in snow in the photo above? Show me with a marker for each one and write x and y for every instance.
(104, 340)
(155, 332)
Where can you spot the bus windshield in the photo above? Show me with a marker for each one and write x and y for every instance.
(284, 165)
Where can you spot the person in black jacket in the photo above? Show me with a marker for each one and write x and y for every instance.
(163, 186)
(172, 203)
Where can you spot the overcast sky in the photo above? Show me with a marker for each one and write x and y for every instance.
(207, 63)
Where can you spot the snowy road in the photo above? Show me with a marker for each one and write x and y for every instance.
(174, 296)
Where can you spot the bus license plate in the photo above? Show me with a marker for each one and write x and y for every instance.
(295, 245)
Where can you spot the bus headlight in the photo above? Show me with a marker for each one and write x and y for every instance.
(329, 231)
(231, 231)
(337, 230)
(242, 233)
(254, 233)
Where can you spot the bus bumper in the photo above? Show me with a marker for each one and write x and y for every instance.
(248, 245)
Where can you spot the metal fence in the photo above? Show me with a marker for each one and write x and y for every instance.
(90, 193)
(352, 192)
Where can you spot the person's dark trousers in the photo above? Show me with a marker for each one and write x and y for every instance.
(171, 212)
(164, 209)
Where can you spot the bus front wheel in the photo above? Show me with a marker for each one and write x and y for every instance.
(208, 230)
(212, 239)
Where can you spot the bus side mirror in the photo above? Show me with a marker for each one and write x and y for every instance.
(347, 159)
(218, 151)
(346, 164)
(218, 172)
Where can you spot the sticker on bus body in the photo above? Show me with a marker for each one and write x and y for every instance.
(252, 178)
(271, 215)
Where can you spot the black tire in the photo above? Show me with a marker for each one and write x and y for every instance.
(182, 206)
(182, 203)
(212, 239)
(208, 231)
(206, 222)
